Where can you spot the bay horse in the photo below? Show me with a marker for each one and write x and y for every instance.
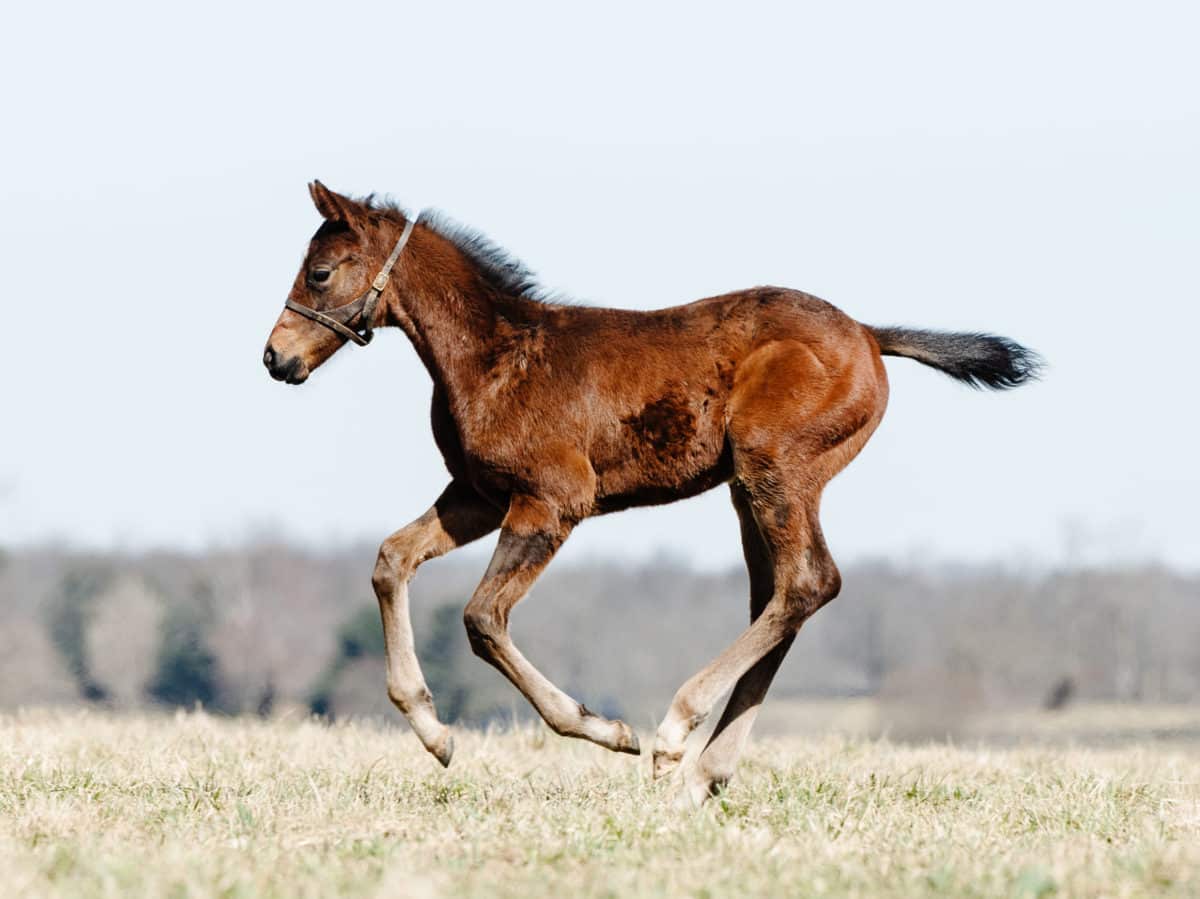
(547, 413)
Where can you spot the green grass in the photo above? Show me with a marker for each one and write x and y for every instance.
(97, 805)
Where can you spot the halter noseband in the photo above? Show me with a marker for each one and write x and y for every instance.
(338, 319)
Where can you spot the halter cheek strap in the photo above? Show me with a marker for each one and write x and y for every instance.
(338, 319)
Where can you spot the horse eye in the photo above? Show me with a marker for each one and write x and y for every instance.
(321, 275)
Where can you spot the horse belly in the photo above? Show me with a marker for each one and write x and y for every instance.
(672, 448)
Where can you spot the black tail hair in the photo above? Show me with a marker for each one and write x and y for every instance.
(978, 360)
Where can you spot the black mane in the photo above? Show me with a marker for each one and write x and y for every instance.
(500, 268)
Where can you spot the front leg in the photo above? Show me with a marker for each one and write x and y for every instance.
(459, 516)
(532, 532)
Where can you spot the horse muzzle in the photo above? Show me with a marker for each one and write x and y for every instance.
(290, 369)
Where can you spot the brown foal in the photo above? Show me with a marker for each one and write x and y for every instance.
(547, 414)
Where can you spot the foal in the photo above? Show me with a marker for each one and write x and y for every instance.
(547, 414)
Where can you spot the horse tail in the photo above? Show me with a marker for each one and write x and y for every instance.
(975, 359)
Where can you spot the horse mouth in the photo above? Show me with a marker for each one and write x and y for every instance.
(291, 372)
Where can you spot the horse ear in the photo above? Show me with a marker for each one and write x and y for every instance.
(332, 206)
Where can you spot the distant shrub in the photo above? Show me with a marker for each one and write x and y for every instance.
(360, 635)
(443, 654)
(186, 672)
(68, 613)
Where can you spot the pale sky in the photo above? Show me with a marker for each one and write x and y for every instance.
(1028, 168)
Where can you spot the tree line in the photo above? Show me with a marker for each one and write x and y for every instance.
(254, 629)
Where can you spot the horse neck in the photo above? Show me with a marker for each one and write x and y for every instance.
(447, 311)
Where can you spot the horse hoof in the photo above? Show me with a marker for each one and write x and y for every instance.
(446, 752)
(628, 741)
(666, 761)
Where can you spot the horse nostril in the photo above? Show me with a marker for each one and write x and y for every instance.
(269, 358)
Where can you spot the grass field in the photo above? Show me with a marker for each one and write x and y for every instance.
(193, 805)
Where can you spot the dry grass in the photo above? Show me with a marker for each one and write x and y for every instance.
(94, 805)
(1085, 723)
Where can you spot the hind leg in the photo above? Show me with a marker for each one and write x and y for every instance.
(805, 578)
(717, 762)
(798, 414)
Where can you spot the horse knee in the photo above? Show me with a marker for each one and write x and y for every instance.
(817, 584)
(483, 629)
(395, 563)
(829, 584)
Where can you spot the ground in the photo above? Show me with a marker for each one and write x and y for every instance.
(196, 805)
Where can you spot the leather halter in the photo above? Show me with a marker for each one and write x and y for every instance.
(338, 319)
